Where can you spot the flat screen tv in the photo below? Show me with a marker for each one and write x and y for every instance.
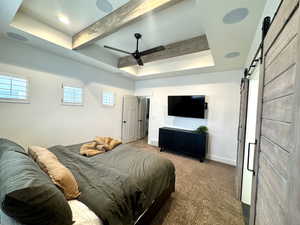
(187, 106)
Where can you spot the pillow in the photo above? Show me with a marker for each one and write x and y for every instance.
(6, 220)
(7, 145)
(26, 192)
(59, 174)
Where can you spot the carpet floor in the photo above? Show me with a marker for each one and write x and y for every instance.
(204, 193)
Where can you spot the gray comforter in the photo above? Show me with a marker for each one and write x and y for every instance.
(118, 185)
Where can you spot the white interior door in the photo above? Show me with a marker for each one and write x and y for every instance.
(250, 136)
(130, 119)
(142, 117)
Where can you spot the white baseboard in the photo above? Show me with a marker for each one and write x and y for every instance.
(222, 160)
(153, 142)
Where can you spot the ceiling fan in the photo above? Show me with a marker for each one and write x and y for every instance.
(137, 55)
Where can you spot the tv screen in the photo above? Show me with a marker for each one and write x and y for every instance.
(187, 106)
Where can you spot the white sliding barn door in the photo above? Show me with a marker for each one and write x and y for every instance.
(250, 136)
(130, 119)
(142, 117)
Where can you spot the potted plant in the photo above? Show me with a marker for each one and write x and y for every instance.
(202, 130)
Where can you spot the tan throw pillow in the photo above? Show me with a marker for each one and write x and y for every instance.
(59, 174)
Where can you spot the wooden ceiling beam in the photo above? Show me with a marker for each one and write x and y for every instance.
(193, 45)
(126, 14)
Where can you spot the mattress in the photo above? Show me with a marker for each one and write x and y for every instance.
(82, 215)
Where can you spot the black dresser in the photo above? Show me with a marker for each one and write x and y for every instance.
(183, 142)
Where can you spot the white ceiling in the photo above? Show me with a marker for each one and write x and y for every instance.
(80, 13)
(192, 18)
(182, 21)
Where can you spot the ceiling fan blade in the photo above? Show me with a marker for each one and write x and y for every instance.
(116, 49)
(152, 50)
(140, 61)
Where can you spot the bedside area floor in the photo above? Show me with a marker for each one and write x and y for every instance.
(204, 193)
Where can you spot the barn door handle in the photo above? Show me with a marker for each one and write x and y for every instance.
(248, 159)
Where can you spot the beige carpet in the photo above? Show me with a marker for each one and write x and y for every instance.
(204, 193)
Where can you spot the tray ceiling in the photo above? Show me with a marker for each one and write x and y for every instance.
(79, 13)
(185, 20)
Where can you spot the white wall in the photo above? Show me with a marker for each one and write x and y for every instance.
(45, 121)
(223, 94)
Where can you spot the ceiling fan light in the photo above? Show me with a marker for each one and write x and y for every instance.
(104, 5)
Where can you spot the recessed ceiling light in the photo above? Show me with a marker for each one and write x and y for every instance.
(16, 36)
(104, 5)
(236, 16)
(64, 19)
(232, 55)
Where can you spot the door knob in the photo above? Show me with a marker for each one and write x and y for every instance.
(124, 121)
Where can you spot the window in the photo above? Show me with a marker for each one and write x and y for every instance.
(108, 98)
(72, 95)
(13, 89)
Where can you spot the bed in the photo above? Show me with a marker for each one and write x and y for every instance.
(125, 186)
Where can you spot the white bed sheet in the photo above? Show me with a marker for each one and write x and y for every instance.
(82, 215)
